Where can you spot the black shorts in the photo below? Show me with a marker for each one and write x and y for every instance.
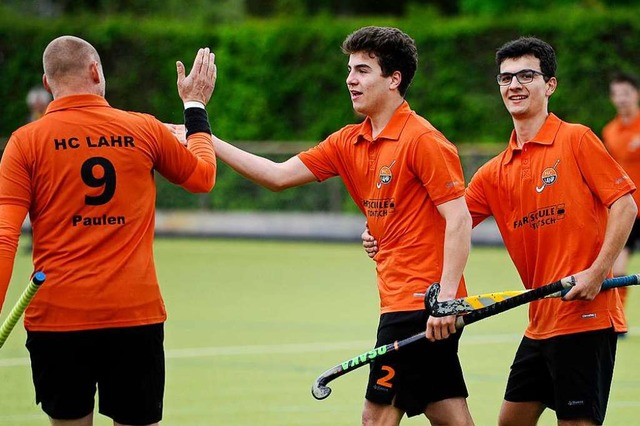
(570, 374)
(126, 364)
(417, 374)
(634, 237)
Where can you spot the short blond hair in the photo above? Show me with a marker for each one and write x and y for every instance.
(65, 55)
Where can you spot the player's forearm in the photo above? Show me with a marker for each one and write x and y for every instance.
(260, 170)
(477, 208)
(201, 145)
(203, 177)
(11, 218)
(457, 243)
(6, 269)
(622, 214)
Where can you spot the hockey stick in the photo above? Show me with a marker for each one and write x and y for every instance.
(20, 306)
(320, 390)
(468, 304)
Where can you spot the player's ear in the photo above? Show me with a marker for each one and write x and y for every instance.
(45, 83)
(552, 84)
(396, 79)
(96, 75)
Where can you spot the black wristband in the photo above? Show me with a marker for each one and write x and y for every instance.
(196, 121)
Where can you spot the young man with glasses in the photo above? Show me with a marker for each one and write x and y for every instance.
(563, 207)
(621, 136)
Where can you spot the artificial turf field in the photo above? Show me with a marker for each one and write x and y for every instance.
(253, 323)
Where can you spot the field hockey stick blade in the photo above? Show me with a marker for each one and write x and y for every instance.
(319, 389)
(444, 308)
(431, 298)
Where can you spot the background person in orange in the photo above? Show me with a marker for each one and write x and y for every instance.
(621, 136)
(85, 174)
(406, 177)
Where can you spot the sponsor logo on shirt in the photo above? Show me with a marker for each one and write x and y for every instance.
(549, 177)
(385, 175)
(380, 207)
(544, 216)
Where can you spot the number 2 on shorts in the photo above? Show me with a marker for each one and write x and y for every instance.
(386, 380)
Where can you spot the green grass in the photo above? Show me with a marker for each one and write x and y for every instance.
(252, 324)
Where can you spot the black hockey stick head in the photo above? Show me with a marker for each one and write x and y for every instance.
(319, 390)
(431, 297)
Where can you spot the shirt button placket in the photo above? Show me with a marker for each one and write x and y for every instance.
(373, 154)
(526, 166)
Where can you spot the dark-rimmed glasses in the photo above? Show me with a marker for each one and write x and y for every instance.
(525, 76)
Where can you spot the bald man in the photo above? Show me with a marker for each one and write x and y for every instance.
(84, 173)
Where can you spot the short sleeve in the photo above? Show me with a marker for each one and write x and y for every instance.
(605, 177)
(436, 162)
(321, 159)
(476, 198)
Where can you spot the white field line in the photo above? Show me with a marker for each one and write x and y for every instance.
(286, 348)
(363, 345)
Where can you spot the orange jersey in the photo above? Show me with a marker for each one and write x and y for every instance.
(623, 142)
(397, 180)
(550, 200)
(85, 171)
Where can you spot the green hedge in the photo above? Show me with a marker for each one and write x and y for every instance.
(284, 79)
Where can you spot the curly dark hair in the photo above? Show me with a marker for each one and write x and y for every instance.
(530, 46)
(395, 50)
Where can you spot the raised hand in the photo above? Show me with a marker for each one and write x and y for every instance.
(198, 85)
